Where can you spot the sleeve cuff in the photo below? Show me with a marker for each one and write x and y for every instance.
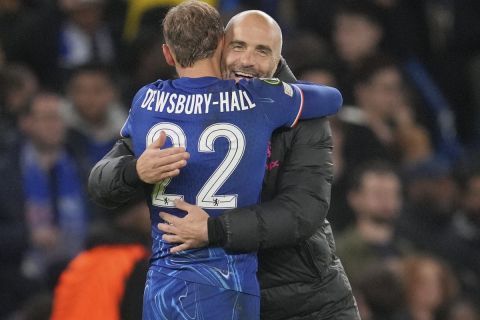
(130, 174)
(216, 232)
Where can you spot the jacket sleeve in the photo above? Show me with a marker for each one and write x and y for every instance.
(301, 189)
(113, 181)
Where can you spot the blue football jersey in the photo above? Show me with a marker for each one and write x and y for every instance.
(225, 126)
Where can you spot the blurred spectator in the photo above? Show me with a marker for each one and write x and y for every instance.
(37, 307)
(315, 16)
(407, 32)
(63, 37)
(18, 86)
(84, 36)
(464, 310)
(142, 64)
(44, 218)
(93, 112)
(305, 50)
(433, 198)
(459, 62)
(383, 122)
(430, 288)
(53, 193)
(13, 18)
(375, 198)
(106, 281)
(357, 34)
(381, 294)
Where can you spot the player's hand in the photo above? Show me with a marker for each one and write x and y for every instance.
(189, 232)
(156, 164)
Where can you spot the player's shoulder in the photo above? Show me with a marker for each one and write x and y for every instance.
(143, 90)
(157, 84)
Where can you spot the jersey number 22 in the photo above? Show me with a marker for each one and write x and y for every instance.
(206, 197)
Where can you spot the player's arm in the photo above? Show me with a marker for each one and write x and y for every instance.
(283, 104)
(318, 100)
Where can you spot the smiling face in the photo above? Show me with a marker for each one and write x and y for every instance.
(253, 43)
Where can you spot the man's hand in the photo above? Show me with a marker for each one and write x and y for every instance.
(190, 231)
(156, 164)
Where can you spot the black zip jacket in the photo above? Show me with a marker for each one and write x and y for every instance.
(299, 274)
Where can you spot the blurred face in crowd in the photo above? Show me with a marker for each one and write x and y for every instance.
(378, 197)
(44, 124)
(427, 284)
(91, 94)
(86, 14)
(382, 93)
(437, 195)
(253, 44)
(23, 85)
(355, 37)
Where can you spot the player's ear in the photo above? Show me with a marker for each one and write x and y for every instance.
(168, 55)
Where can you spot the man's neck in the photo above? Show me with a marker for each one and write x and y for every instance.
(201, 68)
(375, 233)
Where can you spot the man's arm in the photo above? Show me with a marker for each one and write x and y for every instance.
(119, 177)
(294, 203)
(291, 212)
(299, 197)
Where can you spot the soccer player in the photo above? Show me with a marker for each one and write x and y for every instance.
(225, 125)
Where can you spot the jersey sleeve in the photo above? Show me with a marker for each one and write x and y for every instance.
(319, 100)
(127, 126)
(284, 104)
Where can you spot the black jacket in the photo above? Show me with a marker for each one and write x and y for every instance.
(299, 274)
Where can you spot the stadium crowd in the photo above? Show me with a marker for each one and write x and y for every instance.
(405, 203)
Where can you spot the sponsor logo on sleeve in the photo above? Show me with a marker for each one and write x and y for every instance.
(272, 81)
(287, 89)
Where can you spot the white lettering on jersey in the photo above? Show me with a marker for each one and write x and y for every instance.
(228, 101)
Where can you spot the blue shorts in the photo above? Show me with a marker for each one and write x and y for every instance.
(171, 298)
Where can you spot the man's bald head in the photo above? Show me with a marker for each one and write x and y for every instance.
(258, 19)
(253, 45)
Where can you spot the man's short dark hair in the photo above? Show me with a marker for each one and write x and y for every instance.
(365, 9)
(370, 66)
(192, 30)
(95, 68)
(376, 166)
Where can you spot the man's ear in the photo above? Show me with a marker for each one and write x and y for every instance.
(168, 55)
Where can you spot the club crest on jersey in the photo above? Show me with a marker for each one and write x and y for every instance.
(272, 81)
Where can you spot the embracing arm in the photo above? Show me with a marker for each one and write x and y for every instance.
(296, 201)
(119, 177)
(114, 181)
(301, 202)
